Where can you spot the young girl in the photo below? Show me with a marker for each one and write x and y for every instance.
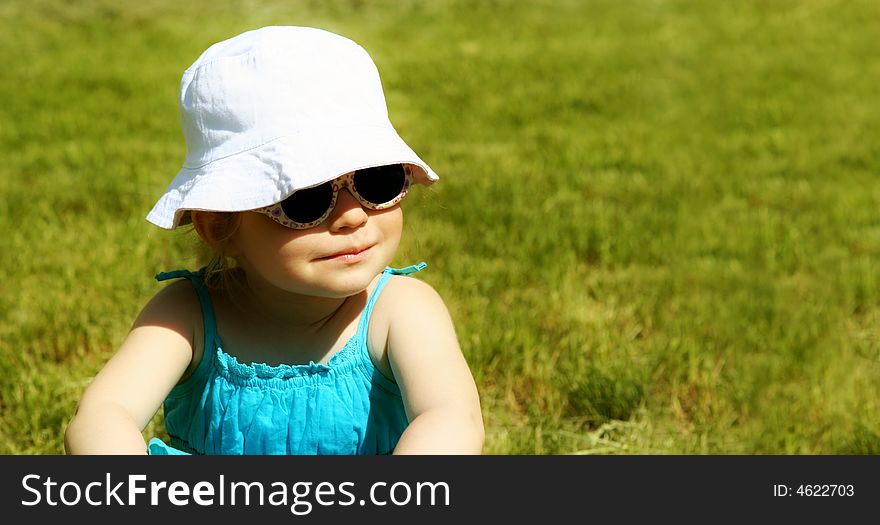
(297, 338)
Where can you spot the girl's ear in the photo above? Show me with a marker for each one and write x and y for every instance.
(201, 222)
(214, 230)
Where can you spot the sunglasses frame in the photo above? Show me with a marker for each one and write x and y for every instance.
(276, 212)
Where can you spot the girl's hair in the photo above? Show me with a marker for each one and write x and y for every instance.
(221, 272)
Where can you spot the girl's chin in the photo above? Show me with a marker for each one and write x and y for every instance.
(346, 282)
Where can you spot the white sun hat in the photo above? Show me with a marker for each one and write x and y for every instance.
(276, 110)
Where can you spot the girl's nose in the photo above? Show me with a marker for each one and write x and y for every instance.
(348, 212)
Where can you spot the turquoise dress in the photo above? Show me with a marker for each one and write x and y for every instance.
(225, 407)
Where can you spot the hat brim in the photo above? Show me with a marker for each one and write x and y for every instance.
(268, 173)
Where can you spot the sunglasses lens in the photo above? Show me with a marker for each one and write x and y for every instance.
(308, 205)
(381, 184)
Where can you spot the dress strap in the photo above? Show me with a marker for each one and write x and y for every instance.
(387, 273)
(198, 281)
(406, 271)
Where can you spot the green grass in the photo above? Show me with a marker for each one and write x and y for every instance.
(657, 225)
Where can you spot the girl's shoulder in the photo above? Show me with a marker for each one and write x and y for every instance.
(404, 302)
(176, 307)
(403, 292)
(176, 303)
(402, 296)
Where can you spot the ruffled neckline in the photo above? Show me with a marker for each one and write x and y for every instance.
(228, 365)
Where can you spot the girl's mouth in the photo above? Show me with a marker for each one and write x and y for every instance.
(349, 256)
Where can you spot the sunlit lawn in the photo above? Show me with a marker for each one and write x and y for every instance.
(656, 227)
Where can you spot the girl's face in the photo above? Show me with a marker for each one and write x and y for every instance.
(335, 259)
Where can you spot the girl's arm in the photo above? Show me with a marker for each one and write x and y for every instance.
(128, 391)
(438, 389)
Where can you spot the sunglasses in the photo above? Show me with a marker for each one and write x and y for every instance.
(375, 188)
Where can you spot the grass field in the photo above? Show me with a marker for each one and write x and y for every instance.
(657, 223)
